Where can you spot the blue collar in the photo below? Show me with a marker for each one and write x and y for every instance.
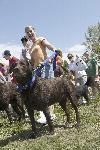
(20, 88)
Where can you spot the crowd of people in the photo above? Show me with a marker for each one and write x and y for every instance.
(35, 49)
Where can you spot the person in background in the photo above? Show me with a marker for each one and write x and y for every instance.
(78, 68)
(91, 70)
(25, 50)
(38, 55)
(2, 72)
(2, 68)
(12, 63)
(58, 71)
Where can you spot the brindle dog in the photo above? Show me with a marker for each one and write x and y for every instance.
(45, 92)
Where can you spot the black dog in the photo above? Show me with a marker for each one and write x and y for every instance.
(9, 95)
(43, 93)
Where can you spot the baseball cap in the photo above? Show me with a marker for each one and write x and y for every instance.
(6, 53)
(70, 56)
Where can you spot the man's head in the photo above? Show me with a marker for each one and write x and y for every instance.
(87, 54)
(6, 54)
(30, 33)
(70, 57)
(59, 52)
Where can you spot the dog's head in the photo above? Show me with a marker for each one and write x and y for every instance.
(22, 71)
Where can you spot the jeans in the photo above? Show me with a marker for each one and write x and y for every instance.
(47, 70)
(44, 72)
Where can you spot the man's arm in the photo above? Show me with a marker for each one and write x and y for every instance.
(48, 45)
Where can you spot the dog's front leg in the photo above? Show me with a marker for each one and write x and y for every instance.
(49, 121)
(30, 111)
(9, 114)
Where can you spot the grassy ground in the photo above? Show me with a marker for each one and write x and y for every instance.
(16, 136)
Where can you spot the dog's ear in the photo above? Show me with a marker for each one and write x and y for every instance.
(22, 63)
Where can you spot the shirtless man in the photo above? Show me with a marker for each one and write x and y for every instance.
(38, 49)
(38, 54)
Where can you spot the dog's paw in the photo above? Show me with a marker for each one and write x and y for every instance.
(32, 136)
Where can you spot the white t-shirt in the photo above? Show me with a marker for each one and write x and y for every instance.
(79, 66)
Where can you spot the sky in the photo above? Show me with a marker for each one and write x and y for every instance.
(62, 22)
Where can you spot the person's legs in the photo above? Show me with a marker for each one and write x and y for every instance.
(79, 83)
(94, 89)
(42, 118)
(51, 108)
(84, 79)
(47, 69)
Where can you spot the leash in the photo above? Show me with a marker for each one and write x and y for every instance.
(20, 88)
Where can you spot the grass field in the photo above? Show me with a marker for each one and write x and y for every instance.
(87, 137)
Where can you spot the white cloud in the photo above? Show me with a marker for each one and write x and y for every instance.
(76, 49)
(14, 49)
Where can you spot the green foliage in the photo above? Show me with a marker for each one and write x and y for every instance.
(93, 38)
(65, 66)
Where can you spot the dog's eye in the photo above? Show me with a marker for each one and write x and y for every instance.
(16, 69)
(22, 63)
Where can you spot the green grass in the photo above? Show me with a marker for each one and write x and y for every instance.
(87, 137)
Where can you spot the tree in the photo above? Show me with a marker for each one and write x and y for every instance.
(93, 38)
(65, 66)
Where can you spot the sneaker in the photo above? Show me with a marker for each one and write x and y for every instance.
(42, 120)
(84, 101)
(26, 115)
